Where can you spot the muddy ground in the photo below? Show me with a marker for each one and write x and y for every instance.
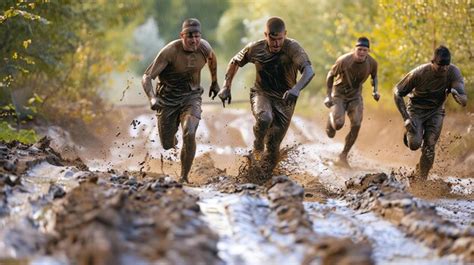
(116, 201)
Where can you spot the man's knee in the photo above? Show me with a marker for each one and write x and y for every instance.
(355, 125)
(414, 143)
(338, 123)
(168, 143)
(264, 119)
(189, 126)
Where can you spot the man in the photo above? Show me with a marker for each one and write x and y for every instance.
(277, 61)
(177, 99)
(427, 87)
(344, 86)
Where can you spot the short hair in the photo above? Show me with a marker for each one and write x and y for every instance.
(191, 25)
(275, 25)
(363, 41)
(441, 55)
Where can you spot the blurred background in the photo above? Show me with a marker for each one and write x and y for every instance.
(71, 63)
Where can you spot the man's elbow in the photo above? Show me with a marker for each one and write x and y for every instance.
(396, 95)
(145, 79)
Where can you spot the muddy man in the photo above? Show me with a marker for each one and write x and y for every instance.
(427, 87)
(177, 99)
(273, 98)
(344, 86)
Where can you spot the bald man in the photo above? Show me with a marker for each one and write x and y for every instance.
(273, 98)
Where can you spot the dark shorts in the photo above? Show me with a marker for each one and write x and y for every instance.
(427, 130)
(169, 118)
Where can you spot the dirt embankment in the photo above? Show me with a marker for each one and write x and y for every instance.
(387, 197)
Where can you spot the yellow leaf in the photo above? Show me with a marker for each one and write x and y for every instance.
(26, 43)
(15, 55)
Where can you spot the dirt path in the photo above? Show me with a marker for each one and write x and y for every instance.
(121, 205)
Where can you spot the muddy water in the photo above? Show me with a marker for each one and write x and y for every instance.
(225, 137)
(147, 217)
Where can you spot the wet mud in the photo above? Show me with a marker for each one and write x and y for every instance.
(387, 197)
(125, 206)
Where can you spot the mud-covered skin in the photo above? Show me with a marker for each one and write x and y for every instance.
(275, 92)
(177, 99)
(344, 85)
(427, 88)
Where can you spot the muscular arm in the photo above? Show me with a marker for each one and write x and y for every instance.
(232, 69)
(158, 67)
(329, 83)
(459, 94)
(375, 85)
(212, 62)
(400, 104)
(306, 76)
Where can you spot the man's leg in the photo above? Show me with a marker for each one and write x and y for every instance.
(262, 111)
(281, 122)
(336, 118)
(168, 123)
(355, 110)
(433, 128)
(190, 116)
(189, 126)
(414, 135)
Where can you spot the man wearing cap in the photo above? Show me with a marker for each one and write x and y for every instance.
(273, 98)
(177, 99)
(344, 92)
(427, 87)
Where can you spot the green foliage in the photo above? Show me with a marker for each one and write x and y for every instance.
(9, 134)
(170, 14)
(61, 50)
(403, 34)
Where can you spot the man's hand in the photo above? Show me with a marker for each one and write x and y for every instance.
(410, 125)
(224, 94)
(291, 96)
(154, 103)
(454, 92)
(213, 90)
(328, 102)
(376, 96)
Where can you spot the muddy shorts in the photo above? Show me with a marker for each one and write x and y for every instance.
(428, 128)
(169, 119)
(280, 111)
(354, 108)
